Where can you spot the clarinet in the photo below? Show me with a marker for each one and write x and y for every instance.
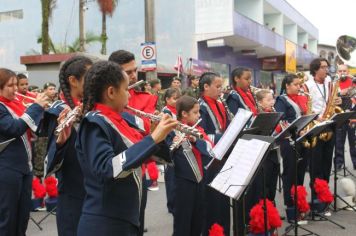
(230, 116)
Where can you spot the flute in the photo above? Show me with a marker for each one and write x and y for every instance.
(188, 130)
(70, 117)
(138, 83)
(181, 137)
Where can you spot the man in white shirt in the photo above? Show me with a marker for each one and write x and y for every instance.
(319, 88)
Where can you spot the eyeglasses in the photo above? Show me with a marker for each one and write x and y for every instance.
(324, 67)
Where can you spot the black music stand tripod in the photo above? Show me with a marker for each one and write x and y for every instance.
(292, 131)
(345, 170)
(236, 206)
(315, 132)
(339, 120)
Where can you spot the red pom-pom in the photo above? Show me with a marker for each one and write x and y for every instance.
(257, 217)
(273, 215)
(322, 191)
(51, 186)
(257, 221)
(216, 230)
(38, 189)
(302, 203)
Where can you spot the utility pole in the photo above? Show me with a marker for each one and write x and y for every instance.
(150, 31)
(81, 26)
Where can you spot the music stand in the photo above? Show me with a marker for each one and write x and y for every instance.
(245, 187)
(266, 123)
(263, 124)
(314, 132)
(339, 120)
(292, 131)
(4, 144)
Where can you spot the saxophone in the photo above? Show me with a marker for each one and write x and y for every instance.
(313, 142)
(331, 109)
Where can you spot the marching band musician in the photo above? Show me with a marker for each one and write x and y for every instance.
(241, 96)
(140, 100)
(318, 88)
(188, 160)
(143, 101)
(214, 122)
(110, 153)
(15, 161)
(62, 156)
(345, 87)
(170, 97)
(266, 102)
(292, 105)
(22, 85)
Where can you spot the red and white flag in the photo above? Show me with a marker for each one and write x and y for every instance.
(179, 65)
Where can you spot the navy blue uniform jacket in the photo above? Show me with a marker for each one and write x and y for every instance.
(63, 160)
(111, 167)
(17, 155)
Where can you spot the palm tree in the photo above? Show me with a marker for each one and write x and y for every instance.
(107, 7)
(90, 38)
(47, 9)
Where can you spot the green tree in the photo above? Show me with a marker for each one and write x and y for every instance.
(47, 9)
(74, 47)
(107, 8)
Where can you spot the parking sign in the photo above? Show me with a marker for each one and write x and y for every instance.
(148, 56)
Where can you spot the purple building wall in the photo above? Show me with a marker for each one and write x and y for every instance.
(226, 55)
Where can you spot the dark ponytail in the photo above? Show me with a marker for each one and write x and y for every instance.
(206, 78)
(99, 77)
(287, 80)
(238, 72)
(185, 103)
(75, 66)
(170, 93)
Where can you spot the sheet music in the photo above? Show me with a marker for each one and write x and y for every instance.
(237, 124)
(4, 144)
(240, 167)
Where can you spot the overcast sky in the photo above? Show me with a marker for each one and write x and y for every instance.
(332, 18)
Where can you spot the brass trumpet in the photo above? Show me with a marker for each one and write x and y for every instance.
(186, 129)
(31, 98)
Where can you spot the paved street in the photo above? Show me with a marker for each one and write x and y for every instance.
(159, 222)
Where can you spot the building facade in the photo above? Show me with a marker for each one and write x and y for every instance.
(229, 33)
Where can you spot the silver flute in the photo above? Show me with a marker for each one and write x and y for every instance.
(181, 137)
(138, 83)
(188, 130)
(70, 117)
